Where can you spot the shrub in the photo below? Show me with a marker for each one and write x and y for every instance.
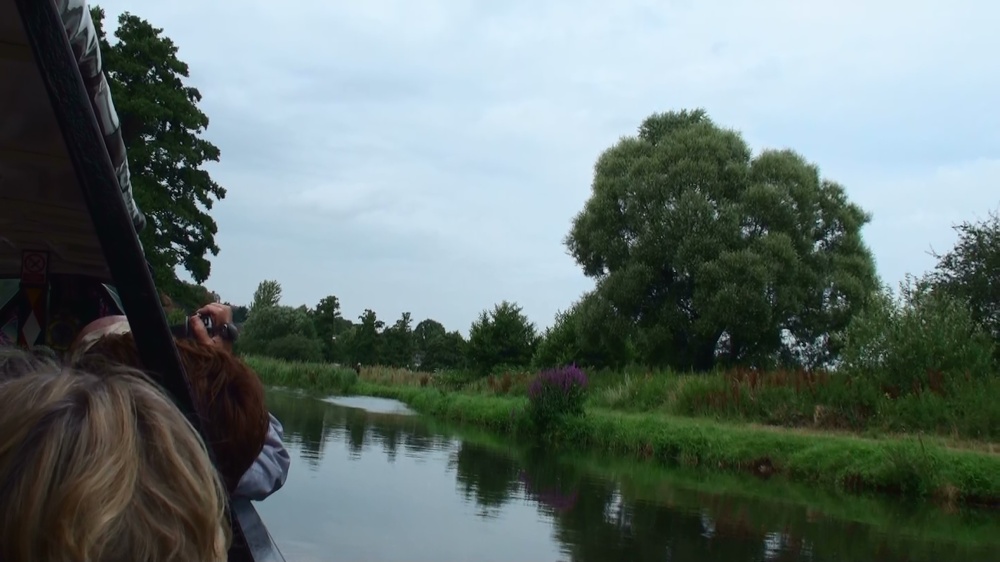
(557, 393)
(909, 342)
(294, 347)
(269, 324)
(320, 378)
(452, 380)
(177, 316)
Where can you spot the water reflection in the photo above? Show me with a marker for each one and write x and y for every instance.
(409, 490)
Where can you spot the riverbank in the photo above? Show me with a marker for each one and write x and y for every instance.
(774, 504)
(949, 471)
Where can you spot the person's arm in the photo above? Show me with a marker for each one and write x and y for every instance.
(269, 470)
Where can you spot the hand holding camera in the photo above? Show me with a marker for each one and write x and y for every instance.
(213, 324)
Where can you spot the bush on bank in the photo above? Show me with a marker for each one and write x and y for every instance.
(555, 394)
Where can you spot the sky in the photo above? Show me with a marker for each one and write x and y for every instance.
(429, 156)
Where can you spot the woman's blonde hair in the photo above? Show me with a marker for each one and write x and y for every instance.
(102, 467)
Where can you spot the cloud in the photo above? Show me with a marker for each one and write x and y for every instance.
(430, 156)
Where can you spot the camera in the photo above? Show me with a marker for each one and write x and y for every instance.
(209, 325)
(183, 331)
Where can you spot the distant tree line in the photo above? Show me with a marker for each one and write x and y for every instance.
(503, 336)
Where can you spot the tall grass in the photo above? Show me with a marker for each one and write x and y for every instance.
(835, 402)
(964, 410)
(318, 378)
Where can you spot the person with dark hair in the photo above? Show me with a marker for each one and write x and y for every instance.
(246, 438)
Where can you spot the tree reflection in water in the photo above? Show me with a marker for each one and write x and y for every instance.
(596, 519)
(305, 424)
(551, 498)
(488, 479)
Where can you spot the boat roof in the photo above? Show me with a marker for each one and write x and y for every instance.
(41, 205)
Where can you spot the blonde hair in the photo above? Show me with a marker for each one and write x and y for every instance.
(102, 467)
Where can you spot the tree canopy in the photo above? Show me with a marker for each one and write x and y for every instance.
(162, 128)
(267, 295)
(501, 337)
(712, 253)
(437, 348)
(970, 272)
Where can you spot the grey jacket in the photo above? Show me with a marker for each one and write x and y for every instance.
(269, 471)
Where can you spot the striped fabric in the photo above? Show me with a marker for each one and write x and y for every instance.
(83, 38)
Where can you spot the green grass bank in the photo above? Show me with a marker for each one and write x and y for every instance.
(947, 469)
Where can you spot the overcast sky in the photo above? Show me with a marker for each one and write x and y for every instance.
(429, 155)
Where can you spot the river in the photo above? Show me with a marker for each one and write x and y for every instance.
(370, 481)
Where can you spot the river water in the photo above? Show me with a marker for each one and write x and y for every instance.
(370, 481)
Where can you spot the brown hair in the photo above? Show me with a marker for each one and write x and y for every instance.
(227, 392)
(103, 466)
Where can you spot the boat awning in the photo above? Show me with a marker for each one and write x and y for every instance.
(41, 206)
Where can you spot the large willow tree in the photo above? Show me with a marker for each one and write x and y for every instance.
(712, 253)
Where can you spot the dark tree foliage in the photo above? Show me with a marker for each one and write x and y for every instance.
(970, 271)
(162, 128)
(502, 337)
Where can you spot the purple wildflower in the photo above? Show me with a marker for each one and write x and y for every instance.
(556, 393)
(562, 378)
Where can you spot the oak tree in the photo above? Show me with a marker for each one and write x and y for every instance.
(162, 127)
